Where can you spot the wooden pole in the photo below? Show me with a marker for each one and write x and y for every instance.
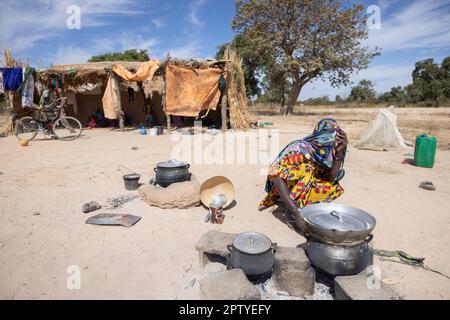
(164, 99)
(224, 104)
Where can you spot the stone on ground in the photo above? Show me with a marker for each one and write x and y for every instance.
(214, 243)
(180, 195)
(292, 272)
(228, 285)
(362, 287)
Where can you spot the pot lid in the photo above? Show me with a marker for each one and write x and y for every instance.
(173, 163)
(252, 242)
(338, 217)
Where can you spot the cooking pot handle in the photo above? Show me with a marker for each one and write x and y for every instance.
(155, 169)
(229, 247)
(274, 247)
(369, 238)
(188, 166)
(336, 215)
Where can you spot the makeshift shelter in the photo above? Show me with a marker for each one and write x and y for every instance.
(160, 92)
(383, 133)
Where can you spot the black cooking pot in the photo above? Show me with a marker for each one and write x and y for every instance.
(172, 171)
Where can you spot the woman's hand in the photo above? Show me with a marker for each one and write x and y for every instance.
(342, 142)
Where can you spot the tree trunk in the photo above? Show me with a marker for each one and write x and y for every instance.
(293, 96)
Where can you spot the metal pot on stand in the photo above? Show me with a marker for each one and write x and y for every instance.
(252, 252)
(338, 237)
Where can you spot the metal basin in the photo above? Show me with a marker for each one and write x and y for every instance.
(336, 223)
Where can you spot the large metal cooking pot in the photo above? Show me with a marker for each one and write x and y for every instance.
(339, 260)
(252, 252)
(171, 171)
(335, 223)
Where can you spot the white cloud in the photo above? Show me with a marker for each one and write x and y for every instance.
(193, 16)
(188, 51)
(23, 24)
(423, 23)
(120, 42)
(70, 54)
(384, 76)
(157, 23)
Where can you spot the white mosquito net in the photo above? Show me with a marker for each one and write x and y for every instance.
(383, 133)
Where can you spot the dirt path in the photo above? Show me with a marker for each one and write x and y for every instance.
(42, 229)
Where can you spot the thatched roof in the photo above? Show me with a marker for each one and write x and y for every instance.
(96, 73)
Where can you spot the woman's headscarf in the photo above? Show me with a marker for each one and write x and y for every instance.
(317, 147)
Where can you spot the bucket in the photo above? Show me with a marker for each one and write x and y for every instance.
(131, 181)
(154, 132)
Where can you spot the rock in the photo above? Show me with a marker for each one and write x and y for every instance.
(291, 258)
(213, 243)
(90, 206)
(228, 285)
(292, 272)
(180, 195)
(297, 283)
(361, 287)
(214, 267)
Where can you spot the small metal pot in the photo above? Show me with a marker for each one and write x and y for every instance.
(339, 260)
(252, 252)
(171, 171)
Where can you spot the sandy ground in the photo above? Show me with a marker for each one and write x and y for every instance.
(43, 230)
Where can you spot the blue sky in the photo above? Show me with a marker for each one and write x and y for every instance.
(411, 30)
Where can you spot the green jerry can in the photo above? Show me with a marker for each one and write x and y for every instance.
(425, 151)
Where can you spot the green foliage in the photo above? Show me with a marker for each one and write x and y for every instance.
(251, 63)
(320, 101)
(305, 39)
(2, 97)
(431, 85)
(397, 95)
(363, 92)
(430, 82)
(127, 55)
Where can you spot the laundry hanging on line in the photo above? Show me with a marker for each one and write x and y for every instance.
(27, 87)
(12, 78)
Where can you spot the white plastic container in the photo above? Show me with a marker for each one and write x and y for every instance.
(154, 132)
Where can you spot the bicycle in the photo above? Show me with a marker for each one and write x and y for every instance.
(49, 120)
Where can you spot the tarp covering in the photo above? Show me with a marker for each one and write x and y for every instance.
(383, 134)
(145, 72)
(111, 99)
(189, 91)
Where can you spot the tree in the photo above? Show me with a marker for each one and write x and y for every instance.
(363, 92)
(127, 55)
(397, 95)
(338, 99)
(320, 101)
(251, 63)
(307, 39)
(430, 82)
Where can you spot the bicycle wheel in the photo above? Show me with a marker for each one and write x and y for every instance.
(67, 128)
(26, 129)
